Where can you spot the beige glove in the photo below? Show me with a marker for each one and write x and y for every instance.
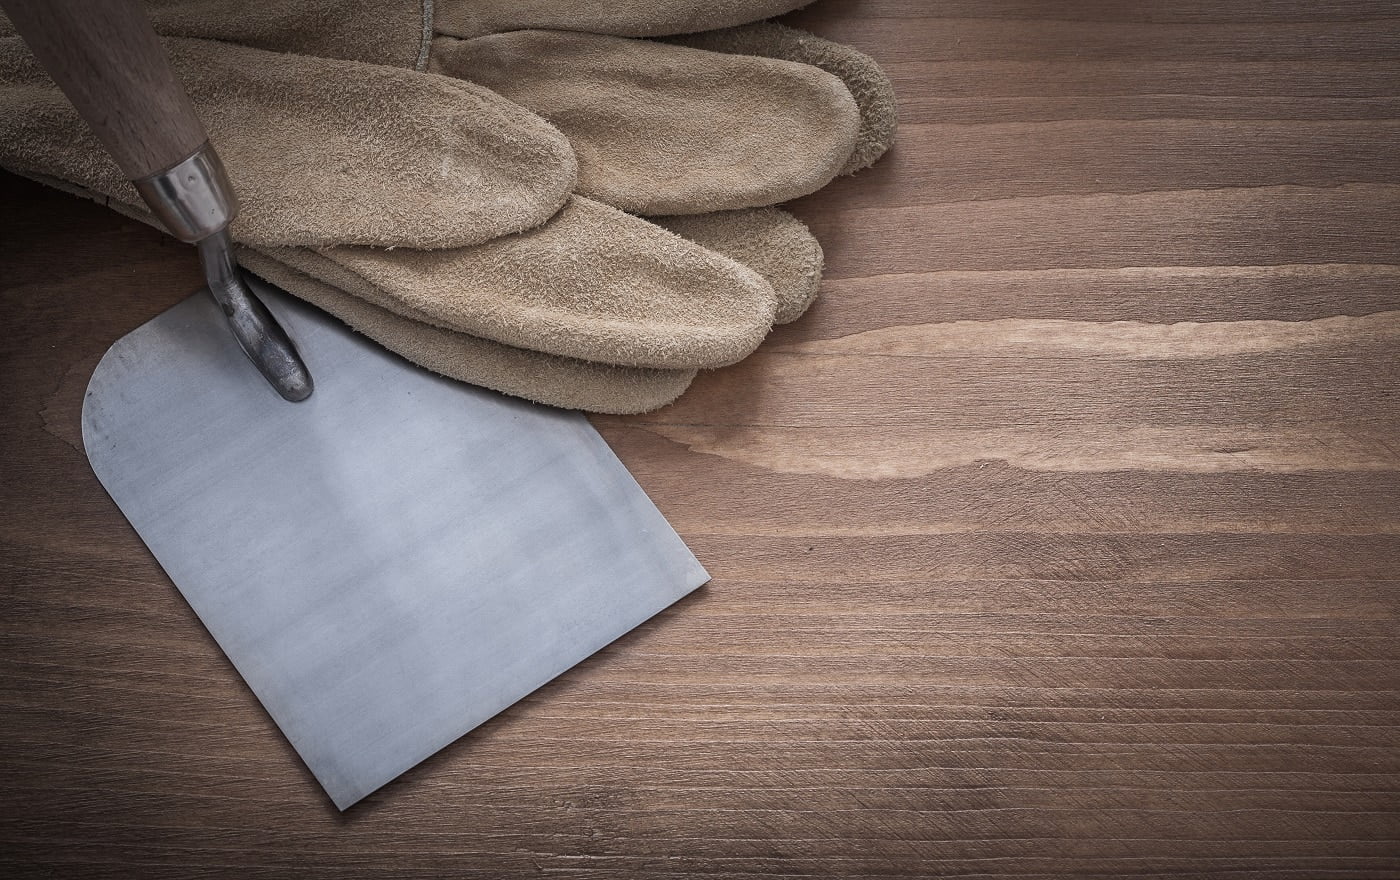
(794, 262)
(590, 278)
(579, 81)
(592, 283)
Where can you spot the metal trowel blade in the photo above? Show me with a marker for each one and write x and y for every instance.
(391, 562)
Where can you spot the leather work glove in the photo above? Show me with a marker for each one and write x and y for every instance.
(592, 309)
(656, 161)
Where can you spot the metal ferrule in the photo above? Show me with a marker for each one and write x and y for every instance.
(193, 199)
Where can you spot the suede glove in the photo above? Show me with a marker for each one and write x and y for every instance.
(551, 278)
(572, 283)
(657, 162)
(646, 159)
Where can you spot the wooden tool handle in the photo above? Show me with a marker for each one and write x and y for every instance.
(106, 58)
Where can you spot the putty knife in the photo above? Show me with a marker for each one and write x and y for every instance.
(389, 562)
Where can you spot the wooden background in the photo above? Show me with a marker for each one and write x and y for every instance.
(1062, 537)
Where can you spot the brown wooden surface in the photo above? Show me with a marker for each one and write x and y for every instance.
(1062, 537)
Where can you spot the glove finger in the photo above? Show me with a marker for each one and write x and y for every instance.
(321, 152)
(533, 375)
(592, 283)
(770, 241)
(623, 18)
(661, 129)
(867, 82)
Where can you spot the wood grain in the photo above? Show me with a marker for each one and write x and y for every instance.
(1061, 538)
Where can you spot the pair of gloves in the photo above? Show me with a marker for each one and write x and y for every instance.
(465, 181)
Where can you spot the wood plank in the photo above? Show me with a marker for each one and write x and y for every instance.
(937, 163)
(895, 39)
(1278, 225)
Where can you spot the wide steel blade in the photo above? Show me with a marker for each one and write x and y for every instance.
(391, 562)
